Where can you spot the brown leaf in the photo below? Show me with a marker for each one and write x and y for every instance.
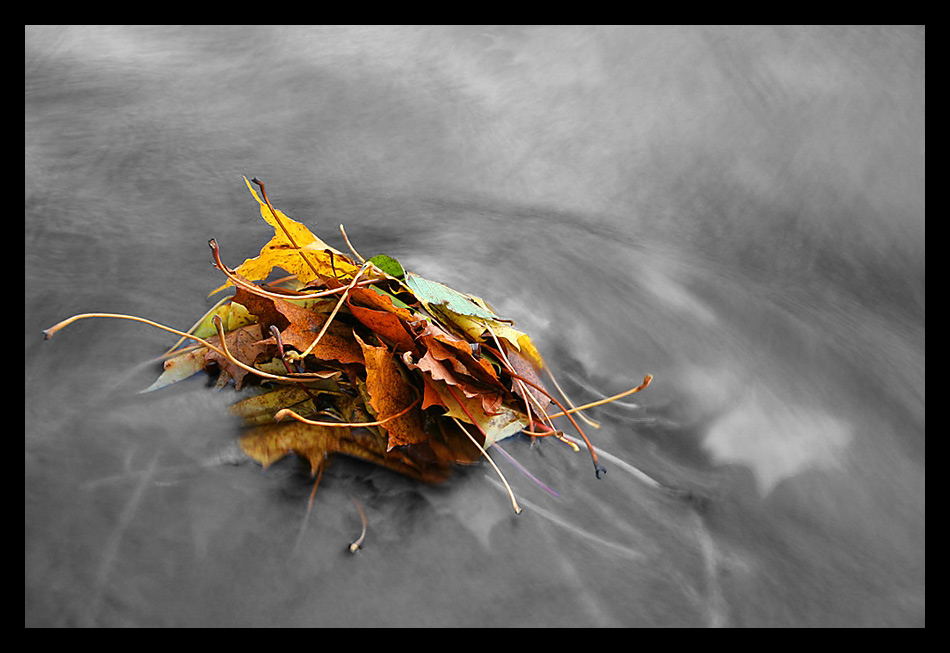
(246, 346)
(300, 326)
(389, 394)
(524, 367)
(269, 443)
(448, 347)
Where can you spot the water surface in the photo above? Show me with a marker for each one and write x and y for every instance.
(737, 211)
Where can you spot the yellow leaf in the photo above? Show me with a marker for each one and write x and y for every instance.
(232, 315)
(530, 351)
(279, 252)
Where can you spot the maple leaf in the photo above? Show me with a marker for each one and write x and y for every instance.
(299, 327)
(300, 253)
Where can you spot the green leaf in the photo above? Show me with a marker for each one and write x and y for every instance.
(389, 265)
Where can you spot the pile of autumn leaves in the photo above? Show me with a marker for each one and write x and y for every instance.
(363, 359)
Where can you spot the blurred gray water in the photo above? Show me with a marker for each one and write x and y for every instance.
(738, 211)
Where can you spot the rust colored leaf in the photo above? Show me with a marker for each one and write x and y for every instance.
(386, 325)
(390, 393)
(430, 396)
(246, 346)
(299, 327)
(375, 299)
(440, 371)
(445, 345)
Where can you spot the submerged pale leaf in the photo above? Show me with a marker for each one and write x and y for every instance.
(436, 294)
(180, 368)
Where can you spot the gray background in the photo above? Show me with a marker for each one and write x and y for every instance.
(737, 210)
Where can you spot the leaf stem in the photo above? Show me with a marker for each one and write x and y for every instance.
(355, 546)
(521, 468)
(53, 330)
(350, 245)
(281, 223)
(547, 369)
(286, 412)
(336, 309)
(646, 381)
(257, 290)
(599, 469)
(197, 324)
(514, 502)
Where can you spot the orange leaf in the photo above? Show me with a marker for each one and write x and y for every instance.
(386, 325)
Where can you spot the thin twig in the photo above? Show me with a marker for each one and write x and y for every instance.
(547, 369)
(521, 468)
(599, 469)
(197, 324)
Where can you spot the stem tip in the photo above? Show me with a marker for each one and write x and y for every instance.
(600, 471)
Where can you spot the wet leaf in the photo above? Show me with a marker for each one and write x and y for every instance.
(386, 325)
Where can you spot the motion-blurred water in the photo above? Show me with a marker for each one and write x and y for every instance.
(738, 211)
